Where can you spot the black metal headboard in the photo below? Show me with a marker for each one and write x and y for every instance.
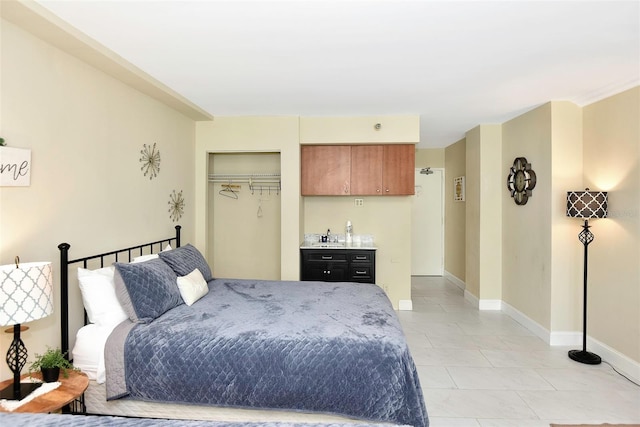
(127, 253)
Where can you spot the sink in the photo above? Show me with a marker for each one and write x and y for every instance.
(327, 245)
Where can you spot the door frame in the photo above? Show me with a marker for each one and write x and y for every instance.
(442, 216)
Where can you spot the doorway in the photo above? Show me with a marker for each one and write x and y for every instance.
(427, 224)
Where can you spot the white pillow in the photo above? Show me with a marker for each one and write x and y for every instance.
(99, 296)
(88, 351)
(143, 258)
(192, 287)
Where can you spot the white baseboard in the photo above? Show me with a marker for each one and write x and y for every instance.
(405, 305)
(453, 279)
(471, 298)
(490, 305)
(564, 338)
(539, 331)
(624, 364)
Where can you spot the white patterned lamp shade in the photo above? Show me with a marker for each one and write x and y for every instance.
(587, 204)
(26, 292)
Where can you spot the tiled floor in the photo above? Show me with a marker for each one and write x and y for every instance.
(485, 369)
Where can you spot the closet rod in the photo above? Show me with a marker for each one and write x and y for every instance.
(273, 177)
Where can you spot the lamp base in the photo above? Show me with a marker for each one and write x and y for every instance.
(584, 356)
(23, 391)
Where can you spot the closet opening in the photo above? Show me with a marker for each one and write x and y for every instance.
(244, 193)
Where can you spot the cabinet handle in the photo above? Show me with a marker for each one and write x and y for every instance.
(327, 256)
(387, 190)
(361, 272)
(346, 187)
(359, 257)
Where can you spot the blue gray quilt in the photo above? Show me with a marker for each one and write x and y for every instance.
(67, 420)
(306, 346)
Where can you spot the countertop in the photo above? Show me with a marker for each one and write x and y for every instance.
(339, 245)
(359, 241)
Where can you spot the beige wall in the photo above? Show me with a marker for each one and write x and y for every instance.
(526, 229)
(253, 134)
(539, 258)
(430, 157)
(611, 163)
(454, 223)
(569, 147)
(380, 216)
(472, 211)
(388, 219)
(566, 251)
(483, 213)
(85, 131)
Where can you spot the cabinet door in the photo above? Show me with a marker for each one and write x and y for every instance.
(399, 169)
(325, 170)
(366, 170)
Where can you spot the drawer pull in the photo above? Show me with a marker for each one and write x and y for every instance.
(361, 272)
(361, 257)
(327, 256)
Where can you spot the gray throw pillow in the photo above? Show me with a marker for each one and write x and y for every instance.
(146, 290)
(185, 259)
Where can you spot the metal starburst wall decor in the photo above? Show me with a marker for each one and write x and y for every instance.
(150, 159)
(176, 205)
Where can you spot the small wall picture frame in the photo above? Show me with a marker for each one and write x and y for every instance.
(458, 189)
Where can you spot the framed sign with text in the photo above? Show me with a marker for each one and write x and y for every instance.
(15, 167)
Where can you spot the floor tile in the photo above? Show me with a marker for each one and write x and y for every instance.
(482, 368)
(498, 379)
(477, 404)
(591, 406)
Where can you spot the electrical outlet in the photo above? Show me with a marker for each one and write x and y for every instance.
(359, 203)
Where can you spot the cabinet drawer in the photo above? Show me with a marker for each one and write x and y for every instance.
(358, 257)
(325, 256)
(360, 272)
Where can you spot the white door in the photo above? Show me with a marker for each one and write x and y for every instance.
(427, 229)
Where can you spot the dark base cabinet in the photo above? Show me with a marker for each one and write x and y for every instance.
(338, 265)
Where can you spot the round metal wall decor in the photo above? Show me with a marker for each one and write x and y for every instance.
(150, 159)
(176, 205)
(521, 180)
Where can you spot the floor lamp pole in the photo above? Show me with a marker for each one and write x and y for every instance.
(584, 356)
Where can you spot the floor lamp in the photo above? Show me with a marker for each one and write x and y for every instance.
(585, 205)
(26, 294)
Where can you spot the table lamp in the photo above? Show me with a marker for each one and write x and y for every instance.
(585, 205)
(26, 294)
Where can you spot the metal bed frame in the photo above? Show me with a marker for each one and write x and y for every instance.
(64, 274)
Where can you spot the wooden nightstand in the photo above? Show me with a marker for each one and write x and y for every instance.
(70, 389)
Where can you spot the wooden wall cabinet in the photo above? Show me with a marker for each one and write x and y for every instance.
(326, 170)
(398, 171)
(358, 170)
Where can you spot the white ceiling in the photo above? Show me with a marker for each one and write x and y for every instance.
(456, 64)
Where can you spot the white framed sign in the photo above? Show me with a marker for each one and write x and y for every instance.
(15, 167)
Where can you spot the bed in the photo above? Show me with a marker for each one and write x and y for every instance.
(238, 350)
(67, 420)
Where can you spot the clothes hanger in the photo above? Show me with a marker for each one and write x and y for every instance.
(228, 191)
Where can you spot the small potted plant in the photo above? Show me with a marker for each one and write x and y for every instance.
(50, 364)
